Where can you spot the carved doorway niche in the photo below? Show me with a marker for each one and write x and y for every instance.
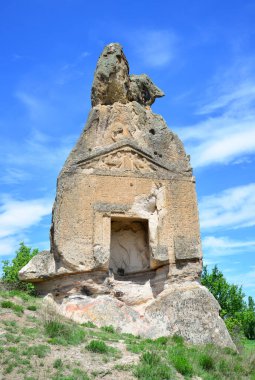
(129, 249)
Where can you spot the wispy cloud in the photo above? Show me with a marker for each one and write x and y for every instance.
(225, 132)
(12, 176)
(245, 279)
(154, 48)
(230, 209)
(224, 246)
(16, 217)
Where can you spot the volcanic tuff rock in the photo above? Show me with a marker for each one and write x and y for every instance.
(112, 82)
(125, 242)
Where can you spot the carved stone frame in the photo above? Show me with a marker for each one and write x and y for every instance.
(102, 236)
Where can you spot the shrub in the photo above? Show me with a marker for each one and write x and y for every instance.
(64, 333)
(13, 306)
(98, 346)
(11, 269)
(162, 341)
(177, 339)
(32, 308)
(182, 365)
(150, 358)
(147, 372)
(109, 329)
(58, 364)
(89, 324)
(206, 362)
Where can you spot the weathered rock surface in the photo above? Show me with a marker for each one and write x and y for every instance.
(143, 90)
(125, 240)
(188, 310)
(112, 82)
(39, 267)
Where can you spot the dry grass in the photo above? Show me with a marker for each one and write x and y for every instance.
(38, 344)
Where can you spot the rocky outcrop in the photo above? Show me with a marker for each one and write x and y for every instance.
(112, 82)
(188, 310)
(125, 240)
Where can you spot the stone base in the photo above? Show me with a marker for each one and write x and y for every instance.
(186, 309)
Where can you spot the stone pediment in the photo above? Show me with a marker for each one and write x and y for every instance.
(125, 158)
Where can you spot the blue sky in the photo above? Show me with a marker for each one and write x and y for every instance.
(201, 53)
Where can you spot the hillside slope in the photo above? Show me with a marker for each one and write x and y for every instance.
(36, 344)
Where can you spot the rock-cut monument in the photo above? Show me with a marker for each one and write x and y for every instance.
(125, 241)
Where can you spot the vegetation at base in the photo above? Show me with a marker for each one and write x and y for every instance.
(26, 342)
(13, 306)
(64, 333)
(89, 324)
(98, 346)
(238, 315)
(109, 329)
(11, 269)
(30, 347)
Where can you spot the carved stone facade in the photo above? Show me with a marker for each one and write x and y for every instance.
(125, 240)
(125, 159)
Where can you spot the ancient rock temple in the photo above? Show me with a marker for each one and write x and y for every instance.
(125, 242)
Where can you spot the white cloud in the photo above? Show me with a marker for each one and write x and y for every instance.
(34, 106)
(220, 140)
(155, 47)
(38, 151)
(18, 215)
(215, 247)
(8, 245)
(13, 176)
(231, 208)
(225, 132)
(246, 279)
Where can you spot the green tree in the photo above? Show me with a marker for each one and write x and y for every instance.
(248, 319)
(11, 269)
(230, 297)
(238, 315)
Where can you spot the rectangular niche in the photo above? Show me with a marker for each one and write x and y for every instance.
(129, 248)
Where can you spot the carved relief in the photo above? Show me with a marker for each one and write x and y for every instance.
(120, 131)
(125, 159)
(129, 247)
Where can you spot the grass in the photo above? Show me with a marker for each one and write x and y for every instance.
(182, 365)
(27, 352)
(76, 374)
(10, 305)
(58, 364)
(64, 333)
(109, 329)
(98, 346)
(41, 351)
(206, 362)
(151, 367)
(89, 324)
(32, 307)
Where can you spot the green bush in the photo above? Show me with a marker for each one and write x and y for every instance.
(58, 364)
(238, 315)
(162, 341)
(89, 324)
(109, 329)
(182, 365)
(151, 368)
(98, 346)
(13, 306)
(32, 308)
(150, 358)
(11, 269)
(206, 362)
(64, 333)
(177, 339)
